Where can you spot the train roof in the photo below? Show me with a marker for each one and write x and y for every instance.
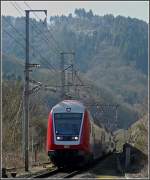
(72, 102)
(72, 105)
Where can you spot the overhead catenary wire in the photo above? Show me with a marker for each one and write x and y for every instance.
(47, 40)
(49, 64)
(13, 4)
(14, 28)
(56, 43)
(21, 45)
(32, 48)
(21, 11)
(33, 24)
(18, 8)
(45, 61)
(39, 31)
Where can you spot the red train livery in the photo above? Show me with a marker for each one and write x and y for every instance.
(73, 137)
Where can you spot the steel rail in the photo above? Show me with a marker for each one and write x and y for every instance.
(62, 173)
(46, 173)
(57, 173)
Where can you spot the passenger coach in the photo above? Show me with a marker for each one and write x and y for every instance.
(72, 135)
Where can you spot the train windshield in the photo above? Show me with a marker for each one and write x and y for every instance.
(67, 123)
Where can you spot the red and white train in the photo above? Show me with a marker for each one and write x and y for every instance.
(72, 135)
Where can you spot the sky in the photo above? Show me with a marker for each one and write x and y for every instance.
(134, 9)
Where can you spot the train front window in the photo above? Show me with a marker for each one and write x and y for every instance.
(67, 123)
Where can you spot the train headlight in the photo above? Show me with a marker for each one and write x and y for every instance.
(75, 138)
(59, 138)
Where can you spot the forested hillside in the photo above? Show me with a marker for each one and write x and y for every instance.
(111, 54)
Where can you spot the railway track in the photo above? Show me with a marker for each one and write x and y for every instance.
(68, 173)
(58, 173)
(64, 172)
(46, 173)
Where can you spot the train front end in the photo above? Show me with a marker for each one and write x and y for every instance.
(68, 133)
